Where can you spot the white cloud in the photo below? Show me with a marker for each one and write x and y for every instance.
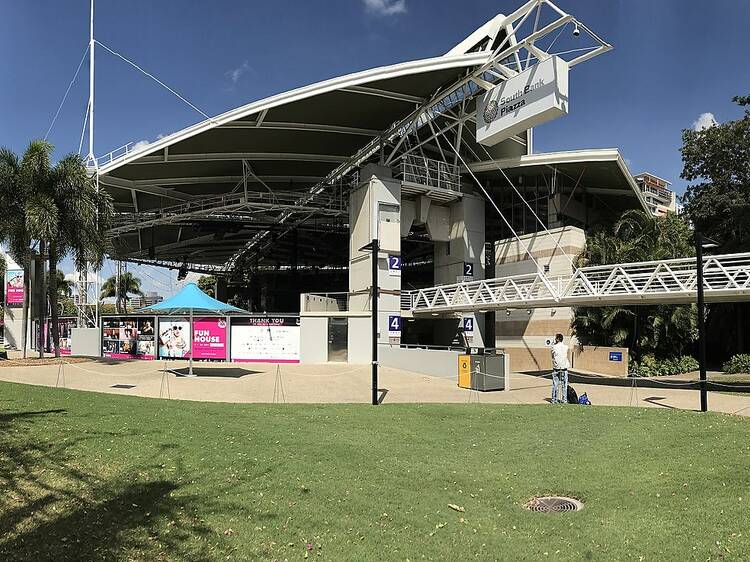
(385, 7)
(704, 121)
(236, 73)
(140, 144)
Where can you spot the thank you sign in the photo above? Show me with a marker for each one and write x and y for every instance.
(536, 95)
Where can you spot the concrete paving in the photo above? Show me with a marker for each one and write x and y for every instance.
(332, 383)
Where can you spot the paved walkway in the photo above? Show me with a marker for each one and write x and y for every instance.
(332, 383)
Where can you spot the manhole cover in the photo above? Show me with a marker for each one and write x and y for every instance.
(123, 386)
(554, 504)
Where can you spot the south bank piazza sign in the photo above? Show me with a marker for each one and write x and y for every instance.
(536, 95)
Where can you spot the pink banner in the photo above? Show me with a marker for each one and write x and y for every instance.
(14, 287)
(209, 338)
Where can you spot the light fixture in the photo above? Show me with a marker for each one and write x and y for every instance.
(528, 312)
(507, 313)
(576, 31)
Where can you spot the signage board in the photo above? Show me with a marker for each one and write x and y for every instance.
(464, 371)
(210, 338)
(267, 339)
(394, 326)
(129, 337)
(14, 287)
(174, 337)
(394, 265)
(615, 356)
(535, 96)
(467, 325)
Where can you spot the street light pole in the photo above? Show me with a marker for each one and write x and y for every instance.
(701, 320)
(374, 309)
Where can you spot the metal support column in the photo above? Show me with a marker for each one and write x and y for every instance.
(701, 319)
(374, 310)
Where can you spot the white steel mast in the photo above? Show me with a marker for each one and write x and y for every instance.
(91, 159)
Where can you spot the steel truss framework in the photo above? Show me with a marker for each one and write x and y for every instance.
(509, 45)
(726, 278)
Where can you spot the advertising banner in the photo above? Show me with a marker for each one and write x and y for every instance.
(65, 327)
(174, 338)
(14, 287)
(128, 337)
(210, 338)
(265, 340)
(531, 98)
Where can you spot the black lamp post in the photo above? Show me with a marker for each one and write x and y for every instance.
(374, 246)
(700, 243)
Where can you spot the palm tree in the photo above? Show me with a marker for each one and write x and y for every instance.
(61, 208)
(18, 176)
(64, 286)
(129, 284)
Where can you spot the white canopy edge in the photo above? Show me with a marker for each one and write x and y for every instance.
(341, 82)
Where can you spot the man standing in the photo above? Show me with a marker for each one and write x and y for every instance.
(559, 371)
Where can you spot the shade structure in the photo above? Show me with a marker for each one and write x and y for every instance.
(189, 301)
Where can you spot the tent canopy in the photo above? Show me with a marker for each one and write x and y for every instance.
(191, 300)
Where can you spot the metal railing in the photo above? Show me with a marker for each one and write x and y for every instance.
(430, 172)
(726, 278)
(330, 302)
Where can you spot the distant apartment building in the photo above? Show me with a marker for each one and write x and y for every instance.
(660, 200)
(149, 298)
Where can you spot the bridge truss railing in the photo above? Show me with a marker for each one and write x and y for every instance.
(726, 278)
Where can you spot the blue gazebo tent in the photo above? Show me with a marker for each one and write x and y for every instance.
(191, 300)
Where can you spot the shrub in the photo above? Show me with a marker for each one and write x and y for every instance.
(737, 364)
(652, 367)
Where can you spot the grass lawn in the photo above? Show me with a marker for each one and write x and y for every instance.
(91, 476)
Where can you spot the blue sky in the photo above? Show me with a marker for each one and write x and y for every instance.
(673, 61)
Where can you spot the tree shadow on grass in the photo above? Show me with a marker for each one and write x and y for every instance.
(53, 507)
(141, 521)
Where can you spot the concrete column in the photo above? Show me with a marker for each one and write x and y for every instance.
(465, 246)
(374, 211)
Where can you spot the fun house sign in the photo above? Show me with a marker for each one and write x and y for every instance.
(536, 95)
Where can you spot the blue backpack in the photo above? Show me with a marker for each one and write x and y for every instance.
(584, 400)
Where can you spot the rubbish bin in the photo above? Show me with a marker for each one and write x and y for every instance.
(482, 371)
(488, 372)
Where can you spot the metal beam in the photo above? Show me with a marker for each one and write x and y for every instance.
(221, 156)
(384, 94)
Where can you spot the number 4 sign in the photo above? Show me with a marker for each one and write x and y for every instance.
(394, 326)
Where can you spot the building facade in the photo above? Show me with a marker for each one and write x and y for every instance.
(660, 200)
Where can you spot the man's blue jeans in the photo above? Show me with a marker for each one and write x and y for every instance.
(560, 382)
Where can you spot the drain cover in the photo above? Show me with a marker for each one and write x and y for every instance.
(123, 386)
(554, 504)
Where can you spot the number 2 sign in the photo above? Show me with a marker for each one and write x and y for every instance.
(394, 265)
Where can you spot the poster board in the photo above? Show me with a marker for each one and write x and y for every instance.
(269, 339)
(210, 338)
(131, 337)
(174, 337)
(14, 288)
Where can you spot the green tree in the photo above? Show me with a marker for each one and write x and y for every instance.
(207, 284)
(64, 286)
(716, 162)
(19, 178)
(129, 285)
(68, 215)
(662, 330)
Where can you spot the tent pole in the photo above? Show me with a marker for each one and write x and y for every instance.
(191, 342)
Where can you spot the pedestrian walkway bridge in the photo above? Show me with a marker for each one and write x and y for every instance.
(725, 278)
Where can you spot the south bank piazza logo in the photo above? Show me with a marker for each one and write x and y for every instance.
(490, 112)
